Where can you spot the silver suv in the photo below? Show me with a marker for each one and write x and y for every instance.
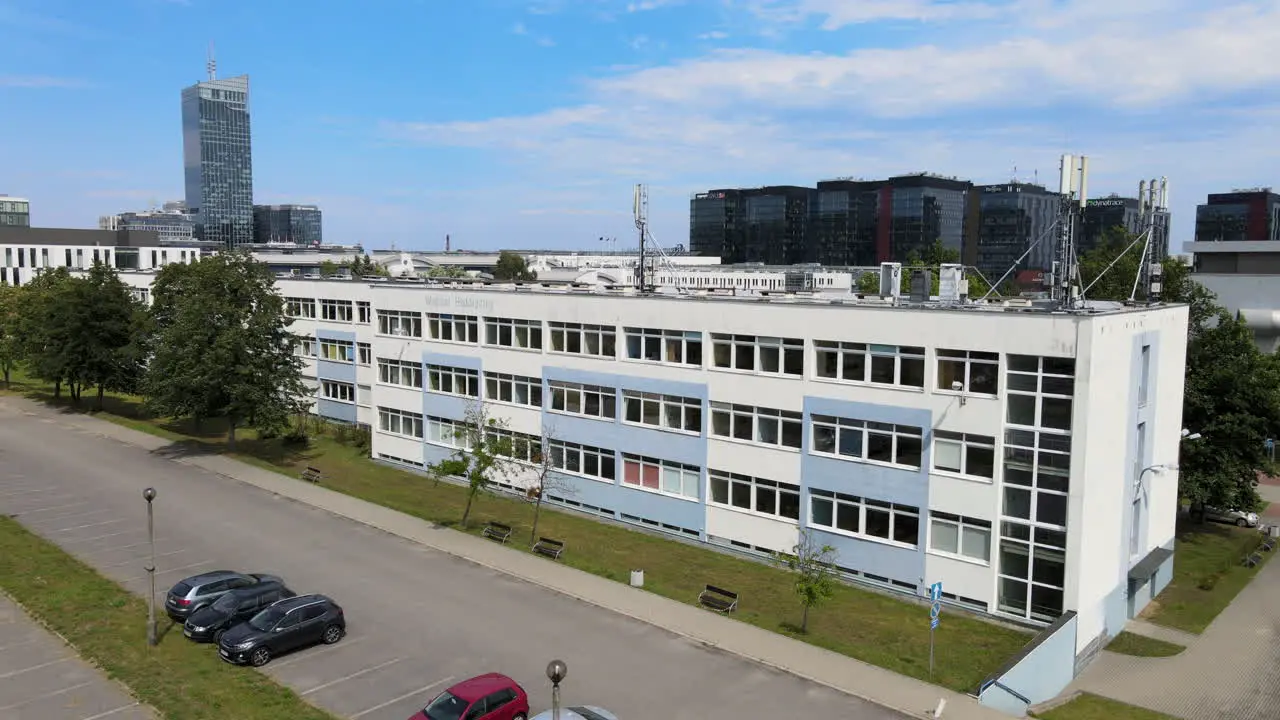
(201, 590)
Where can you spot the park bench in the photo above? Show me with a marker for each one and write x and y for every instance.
(548, 547)
(312, 475)
(497, 531)
(718, 599)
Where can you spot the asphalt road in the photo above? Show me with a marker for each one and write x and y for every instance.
(418, 619)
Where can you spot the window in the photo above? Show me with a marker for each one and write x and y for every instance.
(964, 454)
(1144, 380)
(758, 495)
(515, 445)
(453, 380)
(864, 517)
(335, 310)
(80, 257)
(340, 391)
(956, 535)
(400, 422)
(305, 347)
(593, 462)
(1039, 391)
(337, 350)
(1037, 470)
(861, 362)
(451, 433)
(363, 393)
(446, 327)
(976, 372)
(667, 346)
(68, 258)
(1031, 571)
(403, 323)
(579, 339)
(507, 332)
(517, 389)
(661, 476)
(862, 440)
(364, 354)
(399, 372)
(364, 313)
(299, 307)
(759, 425)
(769, 355)
(590, 400)
(670, 412)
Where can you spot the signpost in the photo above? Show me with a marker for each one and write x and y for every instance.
(935, 611)
(1270, 445)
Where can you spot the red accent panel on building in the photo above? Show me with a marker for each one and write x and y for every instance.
(1258, 225)
(884, 224)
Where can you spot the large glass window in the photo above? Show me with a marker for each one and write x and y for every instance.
(766, 426)
(295, 307)
(402, 323)
(964, 454)
(580, 339)
(590, 400)
(767, 497)
(766, 355)
(863, 440)
(585, 460)
(508, 332)
(336, 310)
(400, 422)
(670, 412)
(868, 363)
(399, 372)
(865, 517)
(676, 347)
(446, 327)
(453, 380)
(516, 389)
(957, 535)
(662, 476)
(969, 371)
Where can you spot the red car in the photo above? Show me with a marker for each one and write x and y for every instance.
(485, 697)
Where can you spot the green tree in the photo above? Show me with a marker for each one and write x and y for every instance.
(812, 568)
(10, 330)
(362, 266)
(46, 327)
(484, 454)
(106, 335)
(445, 271)
(328, 269)
(932, 258)
(222, 347)
(513, 267)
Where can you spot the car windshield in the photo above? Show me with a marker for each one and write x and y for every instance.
(227, 603)
(266, 619)
(446, 707)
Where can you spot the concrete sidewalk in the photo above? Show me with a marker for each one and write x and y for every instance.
(837, 671)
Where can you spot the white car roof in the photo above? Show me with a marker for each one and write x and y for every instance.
(579, 712)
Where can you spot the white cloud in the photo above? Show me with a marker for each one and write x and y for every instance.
(836, 14)
(646, 5)
(713, 35)
(38, 81)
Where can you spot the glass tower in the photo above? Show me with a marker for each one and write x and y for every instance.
(217, 159)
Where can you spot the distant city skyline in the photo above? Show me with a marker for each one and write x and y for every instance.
(501, 125)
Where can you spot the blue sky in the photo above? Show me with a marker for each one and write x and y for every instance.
(522, 123)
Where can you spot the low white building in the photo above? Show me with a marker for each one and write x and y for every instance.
(25, 251)
(1245, 275)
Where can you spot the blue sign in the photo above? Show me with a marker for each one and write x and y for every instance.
(933, 624)
(1269, 443)
(935, 610)
(935, 592)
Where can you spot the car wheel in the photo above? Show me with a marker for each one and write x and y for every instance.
(217, 636)
(260, 657)
(332, 634)
(1242, 522)
(519, 716)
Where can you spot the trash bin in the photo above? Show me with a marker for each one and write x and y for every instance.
(637, 578)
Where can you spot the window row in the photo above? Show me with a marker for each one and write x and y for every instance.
(580, 339)
(304, 308)
(337, 350)
(336, 310)
(862, 440)
(757, 495)
(454, 328)
(515, 389)
(862, 516)
(766, 426)
(662, 476)
(400, 422)
(340, 391)
(671, 412)
(404, 323)
(453, 380)
(867, 363)
(507, 332)
(666, 346)
(770, 355)
(400, 372)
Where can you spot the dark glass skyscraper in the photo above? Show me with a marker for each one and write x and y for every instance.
(218, 160)
(297, 224)
(1016, 219)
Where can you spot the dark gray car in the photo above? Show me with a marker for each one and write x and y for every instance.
(201, 590)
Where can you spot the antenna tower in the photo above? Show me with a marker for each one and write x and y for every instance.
(640, 209)
(1073, 185)
(1153, 202)
(211, 64)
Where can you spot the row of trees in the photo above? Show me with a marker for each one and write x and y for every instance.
(510, 267)
(213, 344)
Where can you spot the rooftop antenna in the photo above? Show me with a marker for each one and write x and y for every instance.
(1073, 186)
(211, 64)
(640, 209)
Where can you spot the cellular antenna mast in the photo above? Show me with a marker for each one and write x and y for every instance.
(211, 64)
(1073, 185)
(640, 209)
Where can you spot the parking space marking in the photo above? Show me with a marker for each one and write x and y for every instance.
(14, 673)
(28, 492)
(346, 643)
(48, 695)
(98, 537)
(109, 713)
(20, 643)
(139, 559)
(68, 516)
(51, 508)
(89, 525)
(170, 570)
(405, 696)
(352, 676)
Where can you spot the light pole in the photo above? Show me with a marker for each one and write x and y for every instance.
(556, 671)
(149, 495)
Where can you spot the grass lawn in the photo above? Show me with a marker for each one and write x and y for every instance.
(876, 628)
(108, 626)
(1207, 574)
(1127, 643)
(1092, 707)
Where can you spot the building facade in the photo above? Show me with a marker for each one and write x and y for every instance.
(1014, 231)
(14, 211)
(1102, 215)
(173, 227)
(24, 252)
(218, 159)
(768, 225)
(289, 224)
(1240, 216)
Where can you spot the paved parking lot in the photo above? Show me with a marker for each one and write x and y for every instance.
(418, 619)
(42, 679)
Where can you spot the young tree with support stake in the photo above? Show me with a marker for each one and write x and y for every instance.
(545, 479)
(812, 567)
(483, 455)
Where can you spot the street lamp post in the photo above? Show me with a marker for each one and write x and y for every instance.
(149, 495)
(556, 672)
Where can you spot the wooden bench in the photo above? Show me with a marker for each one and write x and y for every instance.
(548, 547)
(718, 599)
(497, 531)
(312, 475)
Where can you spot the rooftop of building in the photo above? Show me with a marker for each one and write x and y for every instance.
(19, 235)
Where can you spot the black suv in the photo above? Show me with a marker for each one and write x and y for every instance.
(286, 625)
(209, 622)
(200, 590)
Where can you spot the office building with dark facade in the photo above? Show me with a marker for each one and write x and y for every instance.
(1015, 228)
(218, 159)
(1243, 215)
(840, 222)
(1108, 213)
(293, 224)
(15, 211)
